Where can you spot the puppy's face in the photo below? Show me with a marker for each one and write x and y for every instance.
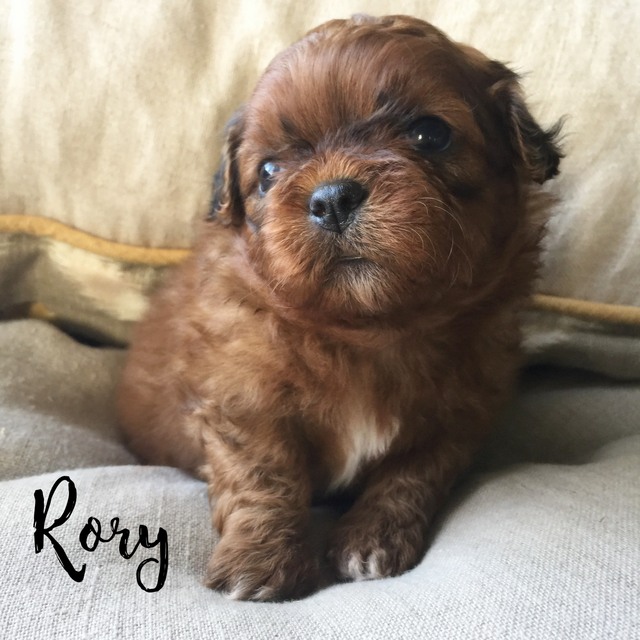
(379, 168)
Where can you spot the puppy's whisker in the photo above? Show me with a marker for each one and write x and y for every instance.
(429, 201)
(441, 206)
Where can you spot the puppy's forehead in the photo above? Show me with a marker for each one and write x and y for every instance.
(347, 72)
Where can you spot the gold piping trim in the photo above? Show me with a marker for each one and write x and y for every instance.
(48, 228)
(587, 309)
(160, 257)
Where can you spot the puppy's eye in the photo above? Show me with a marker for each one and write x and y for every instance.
(266, 174)
(430, 134)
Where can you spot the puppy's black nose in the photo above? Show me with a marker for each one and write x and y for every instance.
(333, 205)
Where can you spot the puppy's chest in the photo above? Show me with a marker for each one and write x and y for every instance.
(356, 422)
(355, 436)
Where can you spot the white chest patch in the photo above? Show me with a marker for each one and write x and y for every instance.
(365, 440)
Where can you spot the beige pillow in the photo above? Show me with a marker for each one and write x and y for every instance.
(110, 127)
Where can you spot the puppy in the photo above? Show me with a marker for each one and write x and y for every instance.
(348, 319)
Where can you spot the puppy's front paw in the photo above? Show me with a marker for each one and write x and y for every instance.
(375, 546)
(247, 570)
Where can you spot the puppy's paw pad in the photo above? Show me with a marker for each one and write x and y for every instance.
(262, 574)
(243, 590)
(354, 567)
(372, 547)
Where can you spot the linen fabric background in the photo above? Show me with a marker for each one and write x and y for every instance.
(112, 114)
(111, 120)
(539, 542)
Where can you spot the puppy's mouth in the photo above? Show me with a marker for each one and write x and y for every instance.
(350, 260)
(351, 263)
(351, 266)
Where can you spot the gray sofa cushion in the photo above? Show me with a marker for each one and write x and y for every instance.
(542, 540)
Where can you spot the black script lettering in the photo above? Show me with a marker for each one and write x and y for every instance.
(163, 541)
(94, 527)
(91, 536)
(39, 519)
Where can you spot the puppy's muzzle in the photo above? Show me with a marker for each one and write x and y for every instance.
(334, 205)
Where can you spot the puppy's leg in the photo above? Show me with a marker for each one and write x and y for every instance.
(384, 533)
(261, 494)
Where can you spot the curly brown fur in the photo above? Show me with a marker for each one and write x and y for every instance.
(290, 356)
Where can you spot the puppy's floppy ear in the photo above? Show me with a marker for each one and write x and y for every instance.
(538, 149)
(226, 202)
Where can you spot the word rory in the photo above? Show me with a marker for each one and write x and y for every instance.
(91, 536)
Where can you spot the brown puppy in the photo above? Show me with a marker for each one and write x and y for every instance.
(348, 319)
